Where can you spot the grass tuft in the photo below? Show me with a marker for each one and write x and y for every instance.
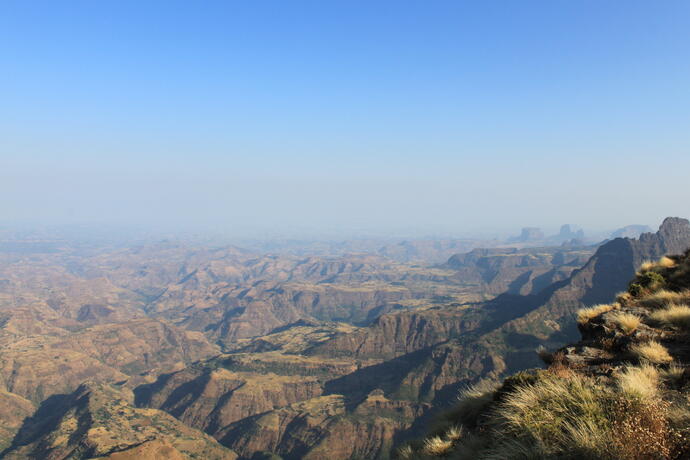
(587, 314)
(666, 262)
(672, 315)
(653, 352)
(642, 382)
(664, 298)
(437, 446)
(627, 322)
(646, 266)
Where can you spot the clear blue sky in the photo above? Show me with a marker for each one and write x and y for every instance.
(400, 116)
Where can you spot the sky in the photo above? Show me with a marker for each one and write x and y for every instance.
(344, 117)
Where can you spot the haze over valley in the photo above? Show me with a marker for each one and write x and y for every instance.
(381, 230)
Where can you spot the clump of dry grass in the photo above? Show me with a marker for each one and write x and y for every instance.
(663, 297)
(646, 266)
(640, 381)
(666, 262)
(673, 375)
(437, 446)
(472, 402)
(406, 453)
(672, 315)
(627, 322)
(653, 352)
(586, 314)
(546, 412)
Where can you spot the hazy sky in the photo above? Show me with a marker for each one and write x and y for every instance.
(348, 116)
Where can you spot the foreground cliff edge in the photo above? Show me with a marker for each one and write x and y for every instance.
(622, 392)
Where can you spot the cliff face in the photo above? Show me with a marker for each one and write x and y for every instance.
(605, 274)
(518, 271)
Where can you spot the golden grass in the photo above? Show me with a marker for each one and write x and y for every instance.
(406, 453)
(673, 375)
(472, 402)
(672, 315)
(586, 314)
(453, 433)
(663, 297)
(437, 446)
(646, 266)
(640, 381)
(666, 262)
(557, 414)
(627, 322)
(653, 352)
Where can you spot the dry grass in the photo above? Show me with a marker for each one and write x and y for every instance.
(672, 315)
(406, 453)
(653, 352)
(646, 266)
(453, 433)
(587, 314)
(640, 381)
(437, 446)
(627, 322)
(673, 375)
(663, 298)
(666, 262)
(472, 402)
(553, 415)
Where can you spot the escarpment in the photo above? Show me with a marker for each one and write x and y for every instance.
(621, 392)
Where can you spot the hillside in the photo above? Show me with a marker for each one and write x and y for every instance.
(621, 392)
(99, 421)
(285, 355)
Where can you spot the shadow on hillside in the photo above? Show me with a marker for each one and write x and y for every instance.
(46, 419)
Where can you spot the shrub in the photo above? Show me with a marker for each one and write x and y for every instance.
(654, 352)
(586, 314)
(649, 281)
(673, 315)
(627, 322)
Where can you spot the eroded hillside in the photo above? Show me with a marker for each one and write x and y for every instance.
(285, 355)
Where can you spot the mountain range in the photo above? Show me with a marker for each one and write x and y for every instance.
(199, 352)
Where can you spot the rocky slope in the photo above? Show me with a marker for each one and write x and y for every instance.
(621, 392)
